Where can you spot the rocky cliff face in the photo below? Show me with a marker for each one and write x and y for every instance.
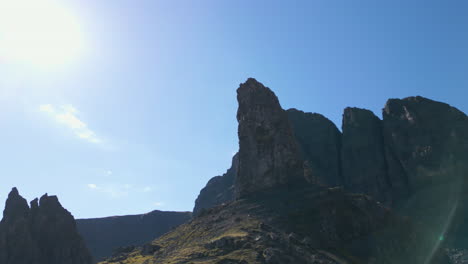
(44, 233)
(320, 143)
(364, 164)
(419, 143)
(269, 156)
(428, 138)
(428, 142)
(104, 235)
(218, 190)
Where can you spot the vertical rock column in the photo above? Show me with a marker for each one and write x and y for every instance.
(268, 153)
(363, 154)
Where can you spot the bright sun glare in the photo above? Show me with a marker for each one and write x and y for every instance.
(41, 33)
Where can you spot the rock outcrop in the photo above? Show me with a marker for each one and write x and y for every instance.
(364, 163)
(428, 138)
(320, 143)
(269, 156)
(104, 235)
(419, 143)
(218, 190)
(414, 160)
(428, 142)
(44, 233)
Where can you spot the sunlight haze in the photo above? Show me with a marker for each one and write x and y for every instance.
(43, 34)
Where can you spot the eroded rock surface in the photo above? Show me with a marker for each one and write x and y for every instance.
(269, 156)
(428, 138)
(364, 163)
(320, 143)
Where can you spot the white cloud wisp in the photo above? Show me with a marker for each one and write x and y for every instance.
(67, 116)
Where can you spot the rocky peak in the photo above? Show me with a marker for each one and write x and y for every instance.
(268, 153)
(51, 205)
(34, 204)
(426, 138)
(15, 206)
(43, 234)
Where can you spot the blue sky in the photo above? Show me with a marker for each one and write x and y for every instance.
(145, 115)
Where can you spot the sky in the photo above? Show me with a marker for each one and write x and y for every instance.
(124, 107)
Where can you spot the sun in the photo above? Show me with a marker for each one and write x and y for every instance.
(40, 33)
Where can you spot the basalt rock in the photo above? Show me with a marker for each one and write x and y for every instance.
(269, 156)
(428, 142)
(43, 234)
(363, 154)
(320, 143)
(218, 190)
(428, 138)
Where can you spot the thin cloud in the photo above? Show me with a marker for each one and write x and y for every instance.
(114, 191)
(147, 189)
(67, 116)
(158, 204)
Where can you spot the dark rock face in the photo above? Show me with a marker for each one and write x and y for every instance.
(415, 160)
(420, 143)
(105, 235)
(218, 190)
(363, 154)
(428, 142)
(428, 139)
(320, 143)
(43, 234)
(268, 153)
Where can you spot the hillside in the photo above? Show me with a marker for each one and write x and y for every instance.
(104, 235)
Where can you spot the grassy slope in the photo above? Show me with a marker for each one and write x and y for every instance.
(293, 227)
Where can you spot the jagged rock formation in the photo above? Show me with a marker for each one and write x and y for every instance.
(419, 143)
(284, 214)
(104, 235)
(320, 143)
(364, 164)
(268, 153)
(44, 233)
(218, 190)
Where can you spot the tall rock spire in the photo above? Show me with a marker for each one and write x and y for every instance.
(268, 153)
(15, 206)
